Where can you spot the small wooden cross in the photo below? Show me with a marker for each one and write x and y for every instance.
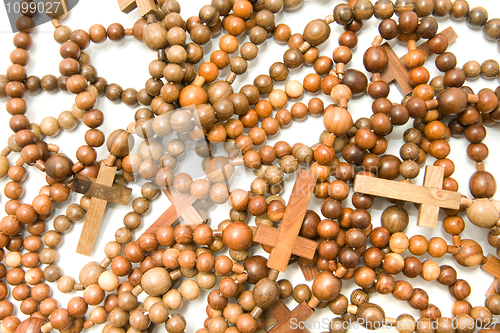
(309, 272)
(286, 238)
(95, 212)
(430, 196)
(90, 187)
(396, 70)
(181, 205)
(145, 6)
(288, 321)
(302, 247)
(492, 266)
(189, 214)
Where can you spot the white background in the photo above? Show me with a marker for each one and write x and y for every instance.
(126, 63)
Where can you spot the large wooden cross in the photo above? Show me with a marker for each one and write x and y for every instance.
(430, 196)
(145, 6)
(97, 207)
(397, 71)
(285, 240)
(289, 321)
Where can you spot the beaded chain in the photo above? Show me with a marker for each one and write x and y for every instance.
(185, 104)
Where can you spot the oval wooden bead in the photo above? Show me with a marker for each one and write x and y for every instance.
(482, 213)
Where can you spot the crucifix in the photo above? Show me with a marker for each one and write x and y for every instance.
(285, 240)
(97, 207)
(182, 205)
(145, 6)
(430, 196)
(492, 266)
(90, 187)
(303, 247)
(283, 316)
(397, 71)
(309, 272)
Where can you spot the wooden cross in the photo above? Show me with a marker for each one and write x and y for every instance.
(309, 272)
(90, 187)
(430, 196)
(283, 316)
(182, 205)
(285, 241)
(145, 6)
(492, 266)
(95, 212)
(302, 247)
(396, 70)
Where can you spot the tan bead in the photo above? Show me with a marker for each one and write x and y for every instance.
(108, 281)
(294, 89)
(189, 290)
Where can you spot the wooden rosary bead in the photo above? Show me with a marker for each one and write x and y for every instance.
(375, 59)
(403, 291)
(293, 58)
(343, 14)
(371, 315)
(316, 32)
(477, 17)
(388, 29)
(282, 33)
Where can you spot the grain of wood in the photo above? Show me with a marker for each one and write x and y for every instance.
(172, 213)
(189, 215)
(88, 186)
(292, 220)
(284, 317)
(95, 213)
(303, 247)
(406, 192)
(428, 214)
(492, 266)
(309, 272)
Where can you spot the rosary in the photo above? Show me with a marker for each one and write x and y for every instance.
(145, 278)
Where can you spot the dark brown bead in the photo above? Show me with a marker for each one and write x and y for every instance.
(388, 29)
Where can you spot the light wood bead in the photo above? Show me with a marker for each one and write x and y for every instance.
(50, 126)
(278, 98)
(228, 44)
(399, 242)
(294, 89)
(430, 270)
(108, 281)
(173, 299)
(482, 213)
(189, 290)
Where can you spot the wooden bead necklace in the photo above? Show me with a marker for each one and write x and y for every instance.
(301, 230)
